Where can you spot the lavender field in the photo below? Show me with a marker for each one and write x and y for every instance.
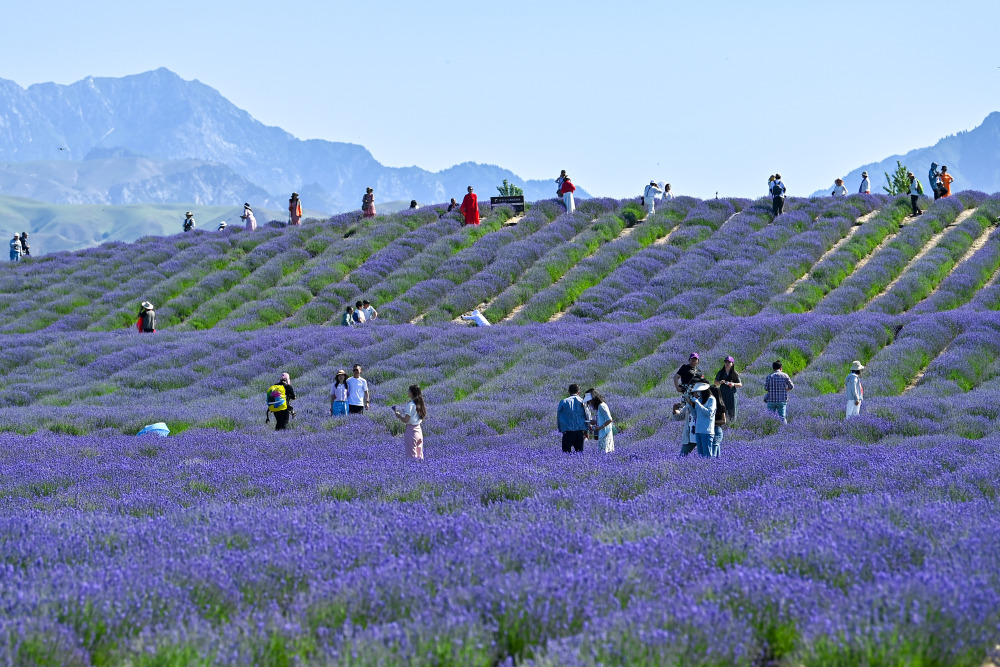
(874, 541)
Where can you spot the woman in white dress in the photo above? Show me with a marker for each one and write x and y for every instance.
(248, 216)
(602, 422)
(413, 416)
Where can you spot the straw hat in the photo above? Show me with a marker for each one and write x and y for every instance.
(147, 305)
(341, 372)
(856, 366)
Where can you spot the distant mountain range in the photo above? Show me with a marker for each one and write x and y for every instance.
(972, 157)
(156, 138)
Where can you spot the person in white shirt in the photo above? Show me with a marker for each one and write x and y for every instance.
(369, 310)
(866, 185)
(478, 318)
(359, 313)
(668, 194)
(338, 395)
(855, 391)
(357, 392)
(413, 416)
(649, 197)
(839, 189)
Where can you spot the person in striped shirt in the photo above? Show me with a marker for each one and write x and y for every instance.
(777, 385)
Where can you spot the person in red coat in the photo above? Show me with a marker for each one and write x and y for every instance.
(567, 191)
(470, 208)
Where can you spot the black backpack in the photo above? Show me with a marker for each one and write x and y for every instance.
(777, 190)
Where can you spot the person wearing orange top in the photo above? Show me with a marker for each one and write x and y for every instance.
(470, 208)
(295, 209)
(946, 180)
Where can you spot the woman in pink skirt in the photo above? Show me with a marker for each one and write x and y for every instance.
(368, 203)
(413, 417)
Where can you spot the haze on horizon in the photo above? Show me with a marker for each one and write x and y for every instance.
(711, 96)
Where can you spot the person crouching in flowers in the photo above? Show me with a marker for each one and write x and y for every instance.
(602, 421)
(413, 416)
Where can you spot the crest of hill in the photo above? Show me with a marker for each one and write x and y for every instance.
(165, 118)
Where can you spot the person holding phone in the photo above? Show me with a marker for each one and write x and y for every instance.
(728, 381)
(413, 416)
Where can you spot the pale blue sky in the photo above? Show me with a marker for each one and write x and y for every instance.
(709, 95)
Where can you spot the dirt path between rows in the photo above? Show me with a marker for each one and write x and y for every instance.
(836, 246)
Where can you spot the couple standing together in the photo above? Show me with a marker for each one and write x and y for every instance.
(576, 417)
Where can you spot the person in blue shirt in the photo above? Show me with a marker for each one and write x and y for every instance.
(777, 196)
(571, 420)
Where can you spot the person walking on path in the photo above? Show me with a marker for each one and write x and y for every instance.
(294, 210)
(686, 374)
(728, 382)
(359, 313)
(369, 310)
(778, 190)
(248, 216)
(279, 398)
(915, 191)
(839, 189)
(478, 318)
(934, 180)
(566, 190)
(15, 248)
(704, 409)
(470, 207)
(147, 318)
(855, 391)
(413, 416)
(946, 180)
(649, 197)
(602, 422)
(347, 319)
(571, 420)
(189, 222)
(368, 203)
(338, 395)
(777, 385)
(358, 396)
(866, 184)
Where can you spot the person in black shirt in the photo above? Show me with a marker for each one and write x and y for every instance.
(686, 374)
(728, 382)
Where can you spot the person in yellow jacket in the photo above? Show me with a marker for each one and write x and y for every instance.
(295, 210)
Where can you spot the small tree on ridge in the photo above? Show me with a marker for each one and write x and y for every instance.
(899, 182)
(509, 189)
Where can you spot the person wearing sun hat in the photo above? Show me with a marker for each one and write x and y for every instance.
(855, 391)
(728, 382)
(147, 318)
(704, 405)
(188, 221)
(866, 184)
(338, 395)
(249, 217)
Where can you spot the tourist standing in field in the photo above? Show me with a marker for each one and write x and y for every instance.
(369, 310)
(566, 190)
(338, 394)
(685, 375)
(668, 194)
(770, 185)
(248, 217)
(478, 318)
(453, 205)
(721, 419)
(777, 385)
(778, 191)
(728, 382)
(189, 222)
(602, 422)
(359, 313)
(413, 416)
(279, 397)
(368, 203)
(347, 319)
(946, 180)
(915, 191)
(222, 226)
(294, 210)
(649, 197)
(866, 184)
(559, 182)
(357, 392)
(839, 189)
(685, 413)
(571, 420)
(25, 248)
(855, 391)
(934, 180)
(15, 248)
(704, 409)
(470, 207)
(147, 318)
